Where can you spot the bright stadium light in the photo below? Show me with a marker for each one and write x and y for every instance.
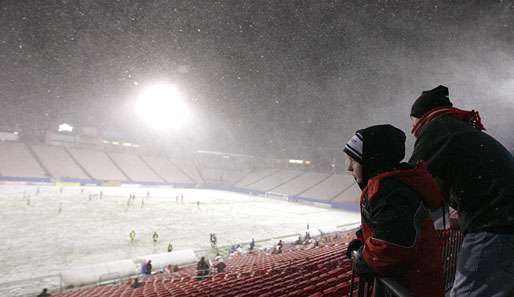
(162, 107)
(65, 128)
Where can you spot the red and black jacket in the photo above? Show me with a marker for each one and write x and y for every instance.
(397, 231)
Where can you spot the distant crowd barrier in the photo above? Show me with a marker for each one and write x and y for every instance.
(112, 271)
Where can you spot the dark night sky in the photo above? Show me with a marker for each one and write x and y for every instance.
(269, 77)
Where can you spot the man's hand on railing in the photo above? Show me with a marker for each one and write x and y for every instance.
(354, 245)
(360, 266)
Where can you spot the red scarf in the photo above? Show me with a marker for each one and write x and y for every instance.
(471, 117)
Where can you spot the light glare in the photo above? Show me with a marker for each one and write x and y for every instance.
(162, 107)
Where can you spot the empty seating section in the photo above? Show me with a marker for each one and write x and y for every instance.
(57, 161)
(230, 177)
(16, 160)
(97, 164)
(274, 180)
(351, 194)
(300, 184)
(189, 168)
(321, 271)
(169, 172)
(329, 188)
(212, 175)
(135, 168)
(254, 176)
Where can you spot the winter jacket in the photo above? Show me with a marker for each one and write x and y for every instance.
(398, 233)
(475, 173)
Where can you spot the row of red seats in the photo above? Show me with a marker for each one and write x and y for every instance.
(316, 272)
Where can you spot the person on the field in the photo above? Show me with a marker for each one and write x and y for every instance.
(397, 237)
(213, 239)
(155, 237)
(170, 247)
(476, 175)
(132, 235)
(252, 244)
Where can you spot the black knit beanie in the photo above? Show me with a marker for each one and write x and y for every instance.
(429, 100)
(377, 148)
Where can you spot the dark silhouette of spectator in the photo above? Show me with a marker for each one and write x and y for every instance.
(136, 283)
(44, 293)
(146, 269)
(220, 266)
(398, 238)
(279, 246)
(475, 172)
(202, 269)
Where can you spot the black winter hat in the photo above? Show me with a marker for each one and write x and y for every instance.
(381, 148)
(429, 100)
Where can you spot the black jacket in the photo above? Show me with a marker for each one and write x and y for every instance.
(474, 171)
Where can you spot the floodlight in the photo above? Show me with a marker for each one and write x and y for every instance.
(162, 107)
(65, 128)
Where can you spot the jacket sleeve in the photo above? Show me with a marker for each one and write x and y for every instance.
(395, 220)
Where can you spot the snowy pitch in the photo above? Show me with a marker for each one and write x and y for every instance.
(47, 232)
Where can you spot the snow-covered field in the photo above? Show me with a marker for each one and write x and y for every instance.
(47, 232)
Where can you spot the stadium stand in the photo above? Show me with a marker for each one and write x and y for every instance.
(277, 179)
(212, 175)
(16, 160)
(300, 184)
(168, 171)
(189, 169)
(58, 162)
(134, 168)
(349, 194)
(322, 271)
(319, 271)
(329, 188)
(230, 177)
(97, 164)
(255, 176)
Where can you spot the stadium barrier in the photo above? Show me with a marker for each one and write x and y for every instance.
(25, 180)
(115, 270)
(451, 241)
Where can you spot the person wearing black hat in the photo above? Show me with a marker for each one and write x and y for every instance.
(44, 293)
(476, 175)
(397, 237)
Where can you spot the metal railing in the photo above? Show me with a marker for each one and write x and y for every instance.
(380, 286)
(451, 241)
(393, 288)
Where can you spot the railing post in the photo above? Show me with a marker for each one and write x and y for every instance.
(394, 287)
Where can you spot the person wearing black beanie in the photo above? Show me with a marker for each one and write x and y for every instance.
(476, 175)
(395, 222)
(437, 97)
